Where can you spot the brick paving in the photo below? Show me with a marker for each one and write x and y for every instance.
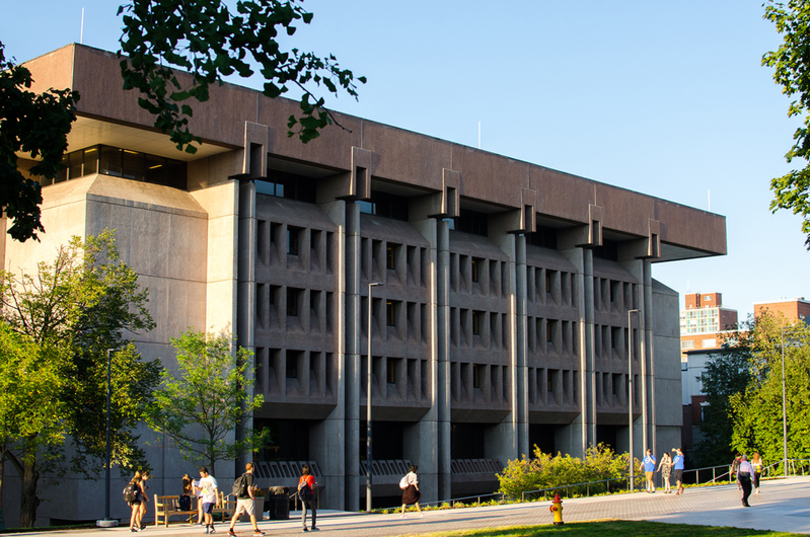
(783, 505)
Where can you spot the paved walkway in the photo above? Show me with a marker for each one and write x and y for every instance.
(783, 505)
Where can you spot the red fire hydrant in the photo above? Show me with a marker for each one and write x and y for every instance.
(556, 508)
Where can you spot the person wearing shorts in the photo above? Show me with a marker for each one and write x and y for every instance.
(245, 504)
(677, 470)
(210, 495)
(649, 469)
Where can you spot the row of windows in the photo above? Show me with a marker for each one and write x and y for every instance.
(281, 372)
(402, 319)
(612, 295)
(546, 286)
(292, 309)
(121, 163)
(396, 378)
(476, 275)
(611, 389)
(479, 383)
(390, 262)
(552, 336)
(553, 386)
(288, 186)
(386, 205)
(477, 328)
(610, 342)
(307, 249)
(700, 313)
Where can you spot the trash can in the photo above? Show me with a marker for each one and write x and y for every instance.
(278, 503)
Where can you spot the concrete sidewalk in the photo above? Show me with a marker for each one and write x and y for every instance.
(783, 505)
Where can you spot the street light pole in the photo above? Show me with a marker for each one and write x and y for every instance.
(368, 404)
(107, 522)
(630, 392)
(784, 406)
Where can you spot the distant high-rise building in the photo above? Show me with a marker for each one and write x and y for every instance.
(702, 318)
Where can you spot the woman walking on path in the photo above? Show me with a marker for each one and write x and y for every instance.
(665, 467)
(649, 469)
(744, 473)
(411, 494)
(144, 499)
(306, 492)
(756, 464)
(135, 504)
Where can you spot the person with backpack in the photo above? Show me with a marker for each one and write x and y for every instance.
(243, 491)
(410, 491)
(134, 495)
(184, 502)
(306, 493)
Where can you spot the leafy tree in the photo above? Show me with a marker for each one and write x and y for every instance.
(727, 374)
(201, 408)
(76, 308)
(756, 412)
(204, 38)
(36, 125)
(31, 406)
(791, 64)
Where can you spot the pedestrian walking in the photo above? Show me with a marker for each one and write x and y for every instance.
(677, 470)
(210, 498)
(666, 469)
(306, 493)
(756, 464)
(198, 492)
(649, 469)
(144, 499)
(410, 492)
(134, 495)
(245, 500)
(744, 473)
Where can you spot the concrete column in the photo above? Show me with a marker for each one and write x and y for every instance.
(420, 445)
(246, 293)
(352, 358)
(521, 348)
(326, 437)
(589, 365)
(640, 424)
(648, 353)
(575, 439)
(442, 394)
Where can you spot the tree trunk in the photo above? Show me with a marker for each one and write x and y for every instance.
(29, 501)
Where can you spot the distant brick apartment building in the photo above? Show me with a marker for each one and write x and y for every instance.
(502, 322)
(791, 308)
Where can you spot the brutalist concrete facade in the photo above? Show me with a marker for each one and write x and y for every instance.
(502, 321)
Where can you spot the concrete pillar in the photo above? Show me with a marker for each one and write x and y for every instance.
(326, 437)
(352, 358)
(246, 294)
(647, 347)
(442, 394)
(589, 365)
(575, 439)
(521, 348)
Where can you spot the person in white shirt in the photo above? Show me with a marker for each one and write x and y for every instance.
(210, 498)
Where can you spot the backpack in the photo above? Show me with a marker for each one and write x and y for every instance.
(240, 486)
(403, 483)
(130, 492)
(184, 502)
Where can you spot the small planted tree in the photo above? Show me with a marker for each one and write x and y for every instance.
(202, 405)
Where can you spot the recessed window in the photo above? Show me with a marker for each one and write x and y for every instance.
(292, 302)
(474, 266)
(476, 322)
(292, 365)
(389, 257)
(391, 371)
(389, 313)
(476, 376)
(292, 240)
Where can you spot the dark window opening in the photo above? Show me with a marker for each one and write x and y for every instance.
(545, 237)
(386, 205)
(292, 302)
(292, 240)
(609, 250)
(474, 266)
(391, 371)
(389, 313)
(389, 257)
(472, 222)
(476, 323)
(292, 365)
(288, 186)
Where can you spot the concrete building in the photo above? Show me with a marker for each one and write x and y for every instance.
(502, 321)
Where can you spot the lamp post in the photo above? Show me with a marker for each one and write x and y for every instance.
(107, 522)
(784, 406)
(368, 403)
(630, 392)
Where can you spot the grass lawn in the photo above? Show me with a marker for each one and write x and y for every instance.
(610, 528)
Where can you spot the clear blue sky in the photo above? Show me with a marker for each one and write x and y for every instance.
(665, 98)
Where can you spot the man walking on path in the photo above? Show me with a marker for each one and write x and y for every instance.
(245, 502)
(210, 496)
(649, 469)
(744, 473)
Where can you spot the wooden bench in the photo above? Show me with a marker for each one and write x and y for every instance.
(168, 506)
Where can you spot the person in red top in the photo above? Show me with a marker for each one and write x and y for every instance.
(306, 492)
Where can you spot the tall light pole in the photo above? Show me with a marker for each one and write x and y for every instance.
(368, 403)
(784, 406)
(107, 522)
(630, 392)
